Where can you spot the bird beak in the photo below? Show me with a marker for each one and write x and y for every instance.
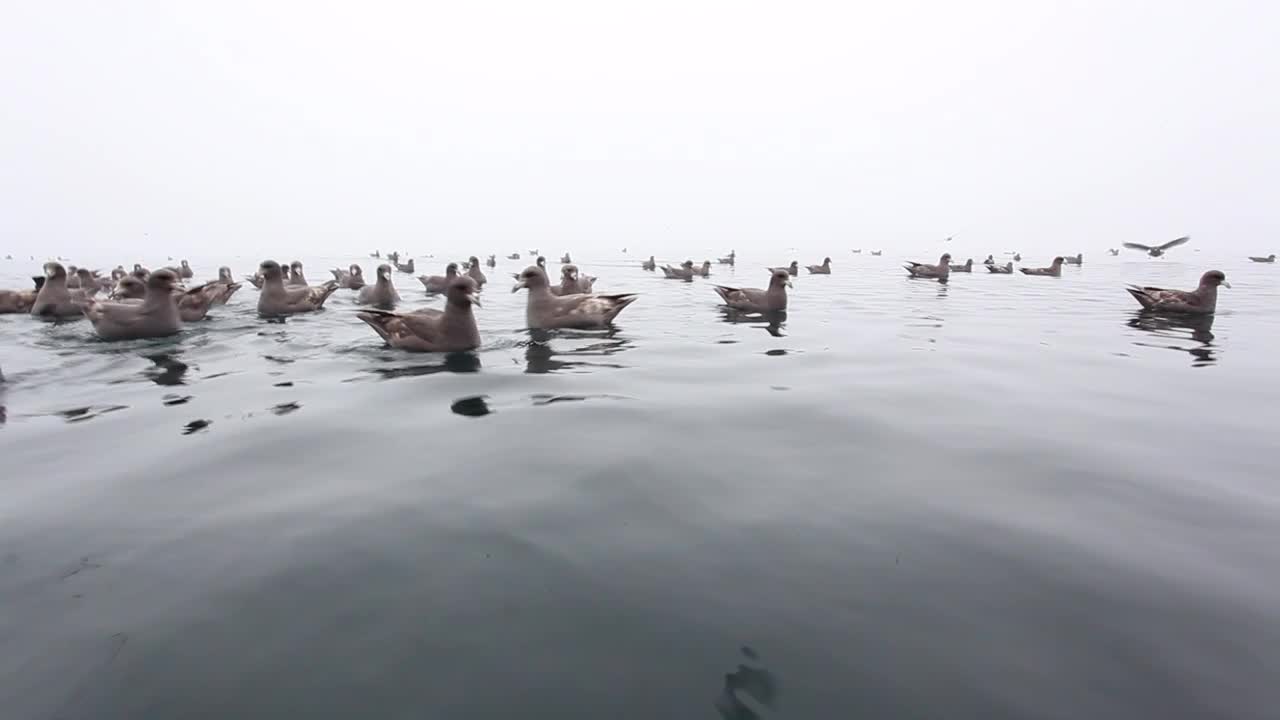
(1226, 284)
(789, 284)
(475, 299)
(518, 286)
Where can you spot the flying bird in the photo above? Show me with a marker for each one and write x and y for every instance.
(1158, 250)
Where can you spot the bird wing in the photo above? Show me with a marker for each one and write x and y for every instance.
(1137, 246)
(416, 330)
(122, 314)
(1175, 243)
(741, 297)
(588, 307)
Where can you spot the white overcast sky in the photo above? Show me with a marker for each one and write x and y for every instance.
(348, 126)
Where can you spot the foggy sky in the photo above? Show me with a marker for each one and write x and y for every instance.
(348, 126)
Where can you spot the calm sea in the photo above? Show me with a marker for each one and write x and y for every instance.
(1009, 497)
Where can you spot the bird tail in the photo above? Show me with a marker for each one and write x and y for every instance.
(325, 291)
(377, 319)
(1140, 295)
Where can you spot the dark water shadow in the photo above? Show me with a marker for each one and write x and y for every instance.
(1197, 329)
(474, 406)
(460, 362)
(168, 369)
(541, 357)
(745, 684)
(772, 322)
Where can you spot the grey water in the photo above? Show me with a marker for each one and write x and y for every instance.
(1005, 497)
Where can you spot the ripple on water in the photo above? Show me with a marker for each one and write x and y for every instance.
(1001, 497)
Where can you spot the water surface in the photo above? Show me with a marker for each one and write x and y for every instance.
(1004, 497)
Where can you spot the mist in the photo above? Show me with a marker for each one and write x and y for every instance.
(285, 127)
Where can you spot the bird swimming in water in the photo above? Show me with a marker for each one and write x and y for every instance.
(1201, 301)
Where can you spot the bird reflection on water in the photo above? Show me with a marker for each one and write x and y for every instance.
(168, 369)
(541, 357)
(772, 323)
(460, 362)
(1175, 327)
(747, 684)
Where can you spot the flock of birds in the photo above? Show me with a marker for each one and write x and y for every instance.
(147, 304)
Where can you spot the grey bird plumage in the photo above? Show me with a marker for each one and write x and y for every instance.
(436, 284)
(1158, 250)
(382, 293)
(823, 269)
(754, 300)
(1054, 270)
(55, 300)
(429, 330)
(278, 299)
(940, 272)
(155, 315)
(1201, 301)
(545, 311)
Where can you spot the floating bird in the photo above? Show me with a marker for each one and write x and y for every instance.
(534, 252)
(991, 260)
(794, 268)
(129, 288)
(877, 252)
(350, 279)
(430, 330)
(226, 286)
(156, 315)
(1017, 257)
(19, 301)
(194, 304)
(394, 257)
(85, 281)
(1268, 259)
(823, 269)
(492, 261)
(546, 311)
(565, 259)
(1054, 270)
(570, 282)
(1113, 252)
(1006, 269)
(704, 270)
(513, 256)
(381, 293)
(857, 251)
(542, 262)
(436, 284)
(940, 272)
(277, 299)
(185, 272)
(1158, 250)
(405, 267)
(1201, 301)
(54, 299)
(966, 267)
(1077, 260)
(296, 277)
(473, 272)
(649, 264)
(730, 260)
(376, 254)
(118, 273)
(754, 300)
(684, 272)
